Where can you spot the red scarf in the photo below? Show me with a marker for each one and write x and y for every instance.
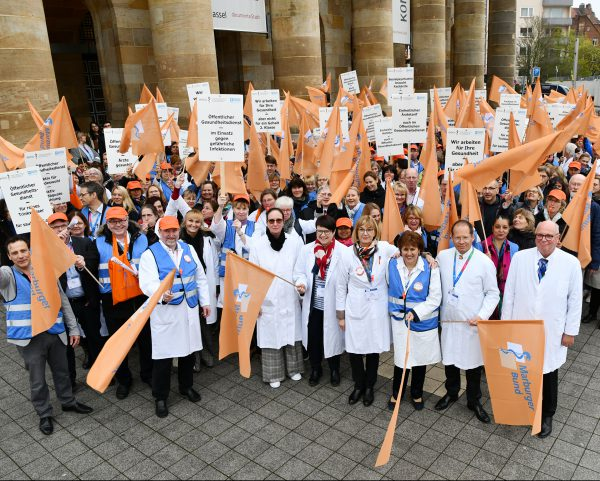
(322, 257)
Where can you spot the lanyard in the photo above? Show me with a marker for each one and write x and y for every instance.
(464, 267)
(408, 284)
(95, 226)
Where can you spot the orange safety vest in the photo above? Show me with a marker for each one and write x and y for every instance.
(124, 284)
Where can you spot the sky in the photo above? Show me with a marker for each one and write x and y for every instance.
(595, 5)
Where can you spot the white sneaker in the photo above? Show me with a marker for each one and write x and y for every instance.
(275, 384)
(296, 377)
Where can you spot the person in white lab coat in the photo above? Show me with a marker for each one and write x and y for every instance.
(279, 324)
(546, 283)
(469, 293)
(315, 275)
(175, 322)
(362, 305)
(415, 295)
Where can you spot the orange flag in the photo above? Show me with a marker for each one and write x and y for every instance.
(438, 116)
(193, 128)
(298, 107)
(449, 217)
(287, 149)
(513, 355)
(142, 132)
(488, 115)
(430, 191)
(119, 344)
(326, 86)
(57, 131)
(364, 161)
(455, 102)
(540, 124)
(37, 118)
(246, 286)
(499, 87)
(342, 189)
(468, 117)
(342, 160)
(257, 179)
(392, 224)
(11, 156)
(146, 96)
(577, 215)
(172, 127)
(346, 99)
(384, 88)
(331, 140)
(50, 259)
(145, 165)
(233, 179)
(159, 97)
(305, 151)
(317, 96)
(513, 134)
(527, 100)
(198, 170)
(248, 116)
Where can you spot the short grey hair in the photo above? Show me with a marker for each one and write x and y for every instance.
(324, 186)
(284, 202)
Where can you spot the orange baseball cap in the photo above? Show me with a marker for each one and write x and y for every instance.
(557, 194)
(116, 213)
(575, 165)
(57, 216)
(134, 184)
(244, 197)
(379, 158)
(166, 166)
(344, 222)
(169, 222)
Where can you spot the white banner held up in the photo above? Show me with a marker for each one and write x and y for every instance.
(401, 81)
(266, 111)
(118, 163)
(558, 111)
(197, 90)
(370, 114)
(501, 125)
(388, 139)
(350, 82)
(184, 149)
(464, 144)
(239, 15)
(23, 189)
(443, 94)
(409, 113)
(325, 113)
(401, 21)
(53, 167)
(511, 101)
(221, 128)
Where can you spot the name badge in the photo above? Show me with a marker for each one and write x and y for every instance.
(187, 258)
(452, 298)
(74, 283)
(321, 292)
(371, 294)
(418, 286)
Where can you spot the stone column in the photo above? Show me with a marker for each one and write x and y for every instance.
(296, 45)
(428, 26)
(27, 71)
(184, 48)
(399, 55)
(469, 42)
(449, 50)
(501, 39)
(372, 39)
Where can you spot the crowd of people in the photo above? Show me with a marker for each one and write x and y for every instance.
(348, 290)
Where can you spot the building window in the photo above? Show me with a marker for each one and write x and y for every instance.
(595, 42)
(527, 12)
(523, 51)
(526, 32)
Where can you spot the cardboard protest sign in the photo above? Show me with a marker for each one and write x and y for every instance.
(24, 189)
(409, 114)
(510, 101)
(184, 149)
(266, 111)
(325, 113)
(443, 94)
(500, 135)
(370, 114)
(221, 128)
(53, 167)
(387, 137)
(197, 90)
(559, 111)
(401, 81)
(464, 144)
(350, 82)
(118, 163)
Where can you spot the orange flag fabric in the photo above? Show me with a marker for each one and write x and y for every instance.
(513, 134)
(286, 150)
(449, 217)
(246, 286)
(232, 180)
(577, 215)
(331, 140)
(198, 170)
(438, 116)
(455, 102)
(392, 224)
(146, 96)
(145, 166)
(37, 118)
(12, 156)
(142, 131)
(363, 161)
(257, 179)
(248, 116)
(159, 97)
(470, 210)
(344, 184)
(326, 85)
(468, 117)
(430, 192)
(317, 96)
(50, 259)
(305, 164)
(193, 128)
(119, 344)
(499, 87)
(298, 107)
(540, 124)
(513, 355)
(57, 131)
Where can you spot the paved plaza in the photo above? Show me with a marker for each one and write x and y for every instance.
(243, 429)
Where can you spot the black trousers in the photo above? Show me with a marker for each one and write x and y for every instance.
(416, 383)
(550, 394)
(364, 374)
(210, 336)
(161, 375)
(315, 343)
(594, 301)
(88, 315)
(473, 383)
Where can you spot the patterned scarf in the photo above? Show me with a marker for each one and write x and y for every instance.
(323, 257)
(365, 255)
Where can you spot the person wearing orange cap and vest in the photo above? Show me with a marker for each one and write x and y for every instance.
(120, 246)
(175, 322)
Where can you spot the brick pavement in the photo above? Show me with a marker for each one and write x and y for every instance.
(243, 429)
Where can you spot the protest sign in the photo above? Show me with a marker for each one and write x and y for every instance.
(409, 114)
(197, 90)
(317, 133)
(371, 113)
(266, 111)
(117, 163)
(401, 81)
(387, 137)
(221, 128)
(401, 21)
(350, 82)
(53, 167)
(325, 113)
(500, 135)
(464, 144)
(443, 94)
(510, 101)
(558, 111)
(184, 149)
(24, 189)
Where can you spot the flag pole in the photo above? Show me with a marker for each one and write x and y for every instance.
(92, 276)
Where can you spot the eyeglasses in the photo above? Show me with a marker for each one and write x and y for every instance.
(545, 237)
(117, 221)
(324, 233)
(275, 221)
(81, 194)
(370, 230)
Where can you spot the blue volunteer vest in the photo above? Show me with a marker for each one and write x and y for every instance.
(229, 244)
(417, 293)
(358, 213)
(18, 312)
(106, 253)
(184, 284)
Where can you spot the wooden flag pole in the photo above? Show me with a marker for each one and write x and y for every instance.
(92, 276)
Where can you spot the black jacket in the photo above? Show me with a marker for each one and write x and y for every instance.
(377, 197)
(82, 246)
(525, 240)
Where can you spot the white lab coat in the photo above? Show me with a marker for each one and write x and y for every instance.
(280, 322)
(478, 295)
(333, 336)
(210, 255)
(365, 303)
(556, 299)
(175, 328)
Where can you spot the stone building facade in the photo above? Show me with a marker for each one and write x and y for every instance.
(98, 53)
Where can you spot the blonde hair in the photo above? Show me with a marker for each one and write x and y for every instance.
(365, 221)
(528, 217)
(128, 204)
(414, 211)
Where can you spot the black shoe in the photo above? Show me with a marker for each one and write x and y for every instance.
(418, 405)
(355, 396)
(123, 391)
(191, 394)
(392, 404)
(207, 358)
(335, 378)
(480, 412)
(315, 377)
(46, 426)
(546, 428)
(368, 397)
(161, 409)
(78, 408)
(445, 402)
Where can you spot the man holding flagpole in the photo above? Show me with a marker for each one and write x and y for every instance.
(48, 346)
